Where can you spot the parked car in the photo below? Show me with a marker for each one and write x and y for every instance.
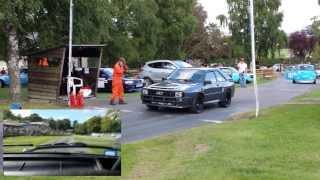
(235, 75)
(130, 84)
(304, 73)
(190, 88)
(288, 72)
(155, 71)
(318, 73)
(5, 79)
(277, 67)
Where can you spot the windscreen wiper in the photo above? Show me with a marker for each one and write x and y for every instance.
(17, 145)
(70, 145)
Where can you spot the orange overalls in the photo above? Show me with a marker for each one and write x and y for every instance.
(117, 82)
(43, 62)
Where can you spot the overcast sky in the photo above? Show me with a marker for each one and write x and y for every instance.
(297, 13)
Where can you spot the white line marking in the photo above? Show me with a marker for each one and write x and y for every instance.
(126, 111)
(213, 121)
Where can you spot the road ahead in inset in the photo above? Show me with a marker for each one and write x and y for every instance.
(138, 123)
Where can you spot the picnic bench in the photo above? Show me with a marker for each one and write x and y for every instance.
(268, 74)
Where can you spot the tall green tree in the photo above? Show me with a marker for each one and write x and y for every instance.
(268, 20)
(178, 23)
(15, 18)
(134, 30)
(94, 124)
(39, 24)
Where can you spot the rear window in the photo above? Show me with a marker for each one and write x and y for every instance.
(306, 67)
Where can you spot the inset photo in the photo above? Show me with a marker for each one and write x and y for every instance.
(61, 143)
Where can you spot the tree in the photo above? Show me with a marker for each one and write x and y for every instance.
(111, 123)
(205, 42)
(223, 20)
(34, 118)
(196, 46)
(52, 124)
(66, 124)
(267, 26)
(106, 122)
(8, 115)
(15, 18)
(94, 125)
(302, 44)
(74, 124)
(41, 24)
(178, 23)
(81, 129)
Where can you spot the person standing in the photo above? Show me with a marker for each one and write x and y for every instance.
(242, 68)
(117, 83)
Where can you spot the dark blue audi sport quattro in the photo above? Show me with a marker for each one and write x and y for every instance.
(190, 88)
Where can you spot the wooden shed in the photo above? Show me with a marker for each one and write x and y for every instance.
(48, 71)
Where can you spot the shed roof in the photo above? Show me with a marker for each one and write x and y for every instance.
(65, 46)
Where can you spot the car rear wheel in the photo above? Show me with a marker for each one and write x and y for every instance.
(147, 82)
(226, 101)
(152, 107)
(197, 105)
(294, 82)
(315, 81)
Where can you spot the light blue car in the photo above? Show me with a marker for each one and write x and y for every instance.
(5, 79)
(289, 71)
(304, 73)
(235, 75)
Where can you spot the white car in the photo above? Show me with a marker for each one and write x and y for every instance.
(155, 71)
(318, 73)
(276, 67)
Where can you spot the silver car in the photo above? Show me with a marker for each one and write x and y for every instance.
(155, 71)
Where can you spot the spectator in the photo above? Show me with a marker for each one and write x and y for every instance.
(242, 68)
(117, 83)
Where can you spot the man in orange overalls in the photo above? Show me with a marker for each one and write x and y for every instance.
(117, 83)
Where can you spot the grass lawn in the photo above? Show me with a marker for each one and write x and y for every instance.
(5, 103)
(315, 95)
(281, 144)
(35, 140)
(260, 81)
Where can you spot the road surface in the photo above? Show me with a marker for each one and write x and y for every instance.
(138, 123)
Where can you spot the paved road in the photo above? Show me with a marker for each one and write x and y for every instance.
(138, 123)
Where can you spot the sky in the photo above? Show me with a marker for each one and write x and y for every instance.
(297, 13)
(79, 115)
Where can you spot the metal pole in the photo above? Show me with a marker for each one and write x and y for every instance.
(70, 48)
(253, 57)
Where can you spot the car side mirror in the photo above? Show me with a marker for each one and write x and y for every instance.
(207, 82)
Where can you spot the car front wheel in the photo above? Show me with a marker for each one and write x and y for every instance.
(152, 107)
(1, 84)
(226, 101)
(197, 105)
